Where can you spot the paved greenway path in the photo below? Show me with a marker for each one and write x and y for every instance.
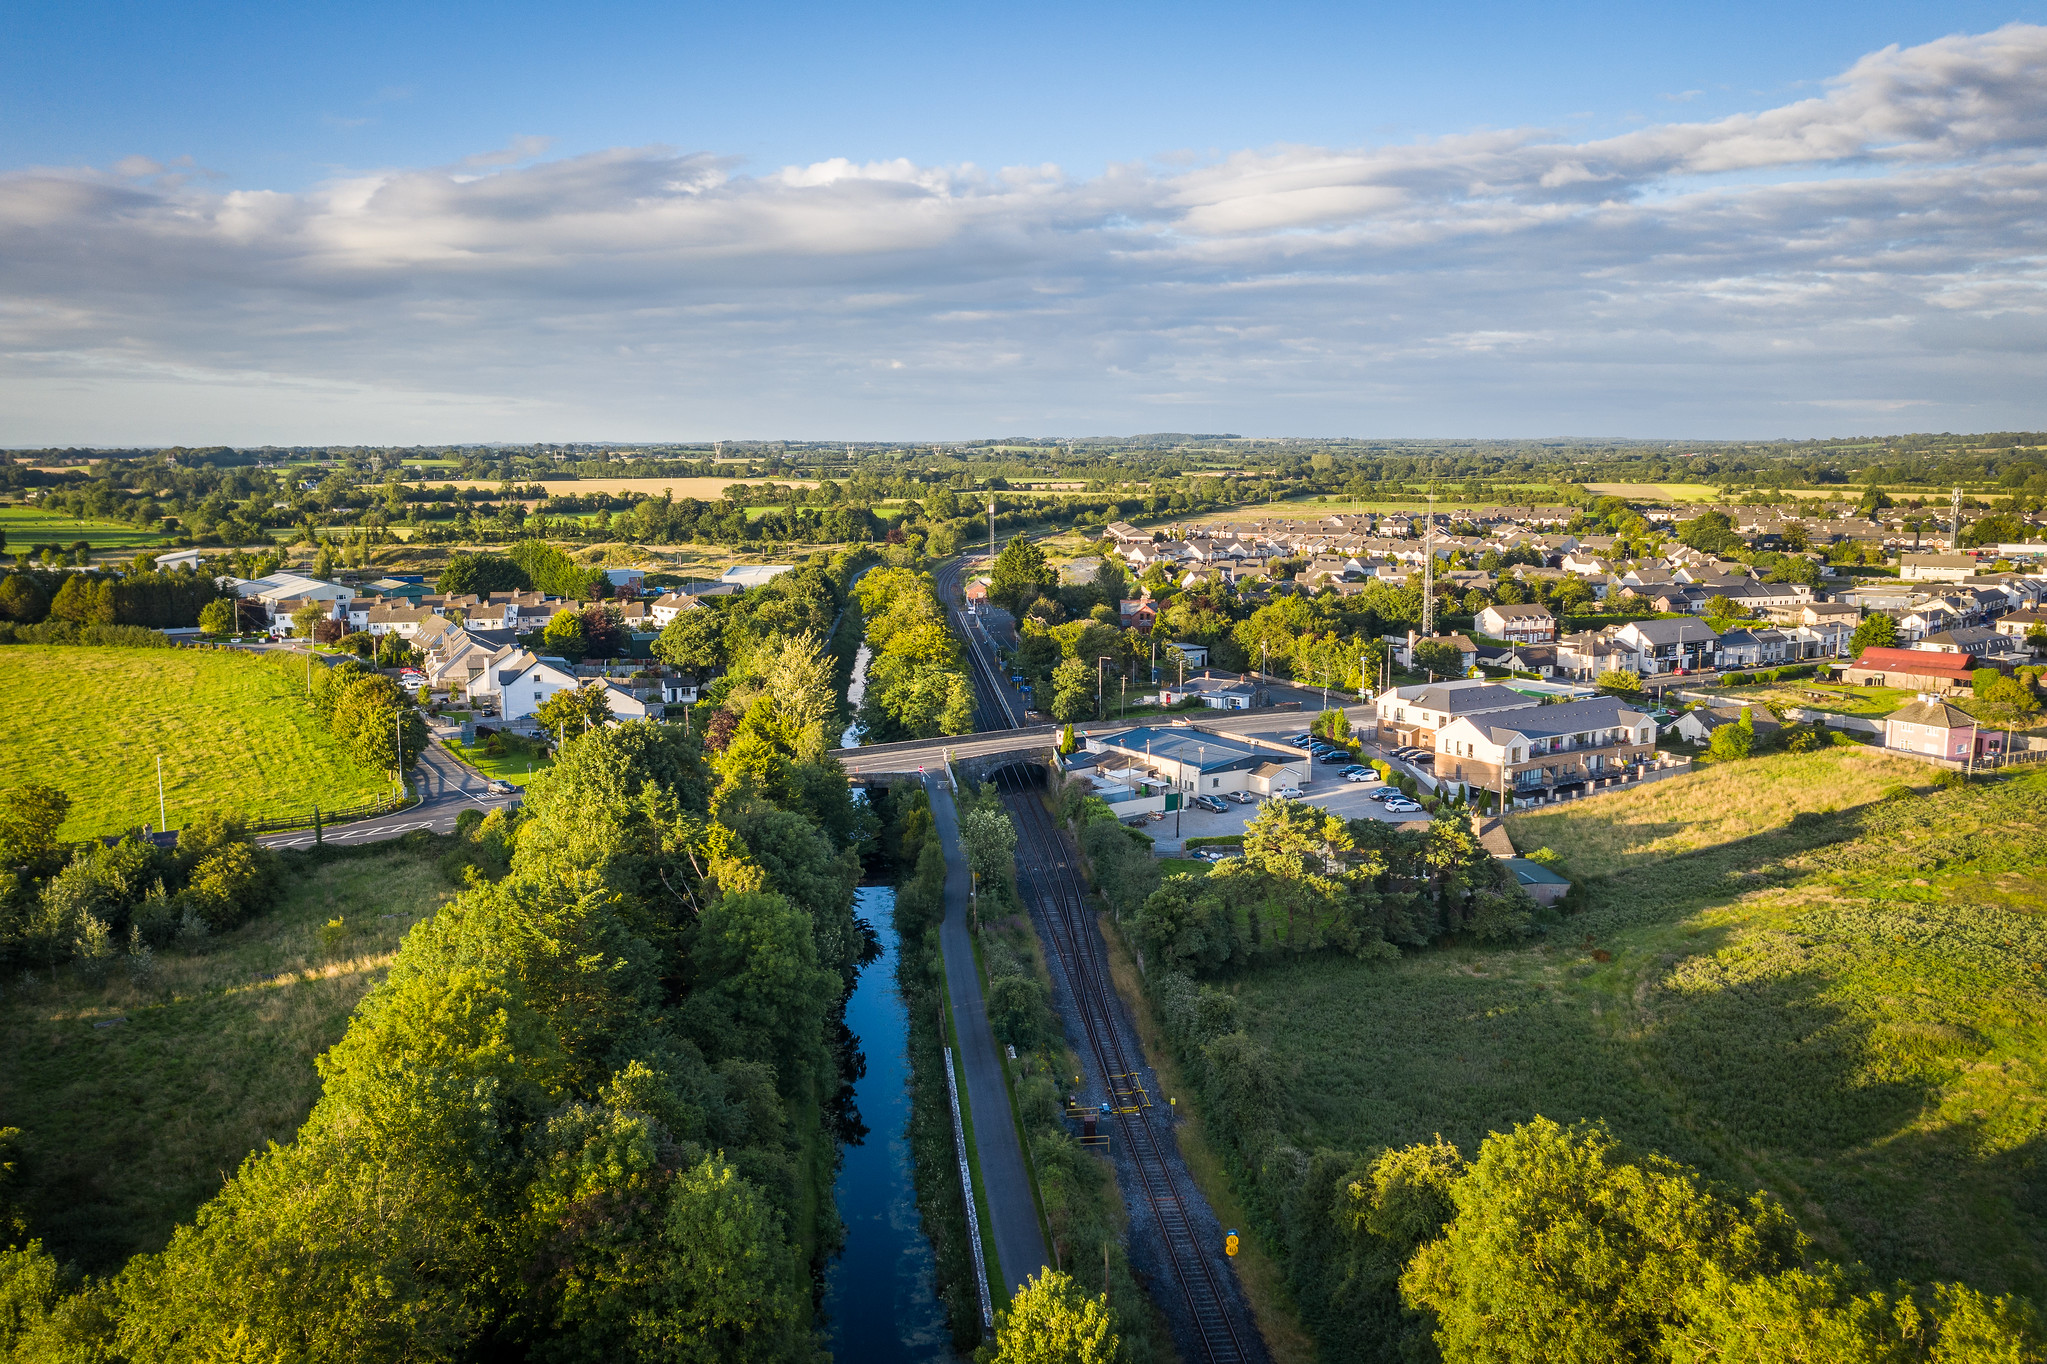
(1005, 1184)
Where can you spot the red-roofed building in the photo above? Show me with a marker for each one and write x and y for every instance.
(1913, 669)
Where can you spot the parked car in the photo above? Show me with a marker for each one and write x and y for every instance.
(501, 787)
(1361, 774)
(1243, 797)
(1210, 854)
(1354, 767)
(1335, 755)
(1299, 740)
(1403, 806)
(1384, 793)
(1212, 804)
(1288, 792)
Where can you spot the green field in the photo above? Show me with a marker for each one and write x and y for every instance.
(1658, 492)
(1869, 702)
(27, 526)
(129, 1128)
(231, 735)
(517, 768)
(1775, 975)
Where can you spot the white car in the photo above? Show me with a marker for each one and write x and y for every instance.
(1367, 775)
(1403, 806)
(1289, 793)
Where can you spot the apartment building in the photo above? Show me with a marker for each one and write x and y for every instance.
(1412, 716)
(1536, 750)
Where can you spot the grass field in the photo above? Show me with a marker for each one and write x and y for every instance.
(1658, 492)
(703, 489)
(27, 526)
(231, 736)
(1869, 702)
(1846, 1009)
(129, 1128)
(517, 768)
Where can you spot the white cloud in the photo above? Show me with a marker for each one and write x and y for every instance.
(1884, 236)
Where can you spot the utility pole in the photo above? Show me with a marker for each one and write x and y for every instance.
(1954, 539)
(991, 532)
(162, 819)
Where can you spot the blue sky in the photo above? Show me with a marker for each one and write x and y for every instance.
(634, 222)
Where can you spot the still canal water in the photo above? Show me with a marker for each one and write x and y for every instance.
(878, 1293)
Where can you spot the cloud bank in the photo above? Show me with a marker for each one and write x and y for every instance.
(1825, 265)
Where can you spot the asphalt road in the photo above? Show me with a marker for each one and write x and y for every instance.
(1005, 1183)
(446, 787)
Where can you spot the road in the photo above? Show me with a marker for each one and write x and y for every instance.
(446, 789)
(930, 754)
(1005, 1183)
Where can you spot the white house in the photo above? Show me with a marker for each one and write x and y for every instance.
(522, 682)
(669, 605)
(1413, 715)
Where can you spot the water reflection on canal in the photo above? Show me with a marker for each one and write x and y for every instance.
(879, 1298)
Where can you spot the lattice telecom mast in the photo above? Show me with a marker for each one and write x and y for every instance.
(1954, 533)
(991, 530)
(1429, 572)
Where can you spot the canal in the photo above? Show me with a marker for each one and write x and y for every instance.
(879, 1296)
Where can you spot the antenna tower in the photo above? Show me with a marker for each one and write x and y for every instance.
(1429, 572)
(991, 529)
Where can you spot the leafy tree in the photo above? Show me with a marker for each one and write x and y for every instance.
(307, 618)
(1566, 1245)
(1875, 631)
(2008, 704)
(603, 631)
(990, 841)
(1734, 741)
(695, 640)
(1439, 657)
(218, 617)
(1073, 690)
(85, 600)
(1019, 575)
(569, 714)
(30, 816)
(21, 600)
(563, 636)
(476, 575)
(1051, 1321)
(1621, 680)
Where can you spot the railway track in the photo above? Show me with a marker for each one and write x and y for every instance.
(994, 709)
(1050, 872)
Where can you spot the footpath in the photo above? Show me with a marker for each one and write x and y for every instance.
(1005, 1182)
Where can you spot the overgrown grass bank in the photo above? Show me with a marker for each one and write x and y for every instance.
(136, 1100)
(1774, 976)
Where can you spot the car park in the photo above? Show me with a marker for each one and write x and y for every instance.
(1212, 804)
